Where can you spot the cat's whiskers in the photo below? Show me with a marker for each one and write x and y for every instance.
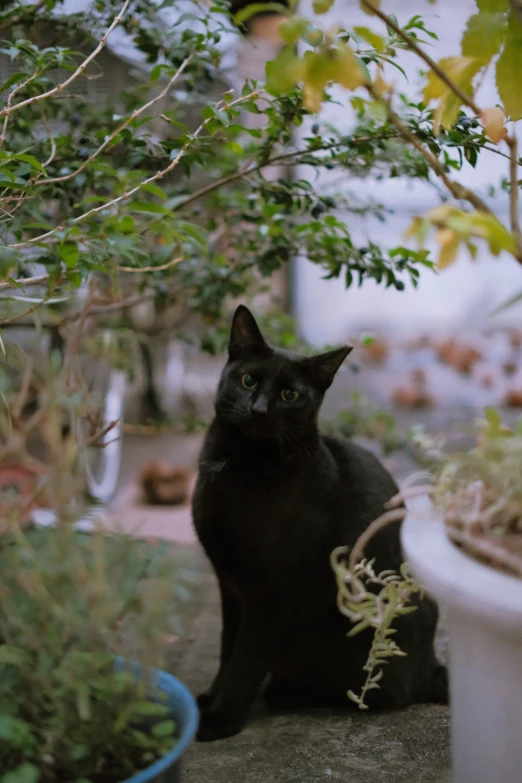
(295, 444)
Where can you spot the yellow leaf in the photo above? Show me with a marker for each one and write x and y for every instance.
(449, 243)
(441, 213)
(418, 228)
(460, 70)
(372, 38)
(494, 122)
(509, 67)
(367, 6)
(380, 86)
(349, 72)
(313, 98)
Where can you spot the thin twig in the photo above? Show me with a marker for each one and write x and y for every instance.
(32, 309)
(413, 45)
(63, 85)
(278, 159)
(23, 392)
(23, 282)
(513, 192)
(112, 307)
(154, 178)
(160, 268)
(93, 440)
(10, 102)
(456, 189)
(52, 142)
(136, 113)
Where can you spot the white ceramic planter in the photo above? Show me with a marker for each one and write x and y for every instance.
(484, 609)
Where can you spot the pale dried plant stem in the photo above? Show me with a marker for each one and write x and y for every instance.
(395, 515)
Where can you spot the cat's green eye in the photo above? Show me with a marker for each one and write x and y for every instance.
(248, 381)
(289, 395)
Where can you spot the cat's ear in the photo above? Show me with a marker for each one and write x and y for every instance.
(324, 366)
(245, 336)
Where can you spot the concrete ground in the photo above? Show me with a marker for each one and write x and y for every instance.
(321, 745)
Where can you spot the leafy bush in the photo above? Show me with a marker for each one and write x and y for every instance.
(70, 603)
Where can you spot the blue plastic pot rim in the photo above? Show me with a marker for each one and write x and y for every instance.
(177, 691)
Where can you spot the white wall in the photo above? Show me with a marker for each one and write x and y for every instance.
(465, 293)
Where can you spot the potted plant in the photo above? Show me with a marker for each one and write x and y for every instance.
(465, 548)
(467, 552)
(85, 620)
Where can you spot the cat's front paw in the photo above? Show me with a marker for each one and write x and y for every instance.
(215, 725)
(204, 700)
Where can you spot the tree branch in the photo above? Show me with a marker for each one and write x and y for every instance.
(277, 159)
(160, 268)
(513, 193)
(413, 45)
(159, 175)
(456, 189)
(60, 87)
(28, 281)
(135, 113)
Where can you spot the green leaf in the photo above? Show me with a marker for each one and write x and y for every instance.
(493, 6)
(69, 254)
(322, 6)
(13, 79)
(83, 702)
(484, 35)
(14, 731)
(13, 656)
(75, 278)
(148, 208)
(509, 69)
(31, 160)
(259, 8)
(9, 258)
(25, 773)
(126, 225)
(195, 232)
(283, 73)
(149, 708)
(151, 187)
(164, 729)
(292, 30)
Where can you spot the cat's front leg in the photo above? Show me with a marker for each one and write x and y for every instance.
(258, 641)
(231, 616)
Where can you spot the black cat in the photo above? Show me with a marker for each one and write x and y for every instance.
(274, 497)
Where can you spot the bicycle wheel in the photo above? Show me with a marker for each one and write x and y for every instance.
(100, 461)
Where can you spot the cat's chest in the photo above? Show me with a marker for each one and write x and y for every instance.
(246, 511)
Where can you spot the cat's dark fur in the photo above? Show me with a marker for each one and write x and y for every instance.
(273, 499)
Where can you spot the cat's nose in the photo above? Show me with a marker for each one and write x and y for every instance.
(260, 406)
